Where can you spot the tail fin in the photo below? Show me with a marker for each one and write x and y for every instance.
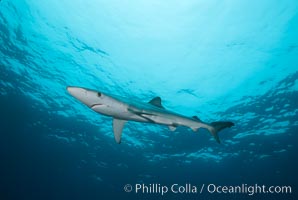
(218, 126)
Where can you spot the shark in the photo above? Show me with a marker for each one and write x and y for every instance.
(123, 110)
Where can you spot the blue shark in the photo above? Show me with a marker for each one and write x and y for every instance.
(123, 110)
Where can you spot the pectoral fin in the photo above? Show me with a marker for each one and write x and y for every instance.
(118, 125)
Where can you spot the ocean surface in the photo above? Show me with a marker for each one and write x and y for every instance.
(219, 60)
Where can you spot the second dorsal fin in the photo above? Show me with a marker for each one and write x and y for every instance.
(196, 118)
(156, 101)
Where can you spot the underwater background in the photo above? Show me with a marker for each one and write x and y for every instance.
(220, 60)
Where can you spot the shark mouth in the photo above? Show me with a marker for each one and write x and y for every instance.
(94, 105)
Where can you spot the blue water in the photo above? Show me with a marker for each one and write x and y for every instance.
(219, 60)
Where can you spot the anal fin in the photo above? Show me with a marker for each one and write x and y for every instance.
(172, 128)
(118, 125)
(194, 129)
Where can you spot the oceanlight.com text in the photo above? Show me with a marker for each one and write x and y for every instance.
(188, 188)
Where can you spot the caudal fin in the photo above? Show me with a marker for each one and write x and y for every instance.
(218, 126)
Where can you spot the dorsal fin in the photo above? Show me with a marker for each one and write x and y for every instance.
(156, 101)
(196, 118)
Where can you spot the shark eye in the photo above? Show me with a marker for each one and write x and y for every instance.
(98, 94)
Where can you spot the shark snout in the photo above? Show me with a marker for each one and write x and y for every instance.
(70, 89)
(75, 91)
(78, 93)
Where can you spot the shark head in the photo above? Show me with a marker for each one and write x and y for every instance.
(86, 96)
(97, 101)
